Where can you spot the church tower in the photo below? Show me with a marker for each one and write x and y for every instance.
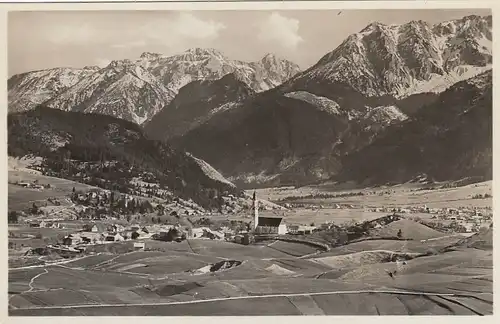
(255, 212)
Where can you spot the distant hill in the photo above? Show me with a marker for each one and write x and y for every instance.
(409, 230)
(108, 152)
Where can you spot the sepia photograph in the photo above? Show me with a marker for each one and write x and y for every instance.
(250, 162)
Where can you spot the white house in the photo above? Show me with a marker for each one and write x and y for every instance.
(139, 245)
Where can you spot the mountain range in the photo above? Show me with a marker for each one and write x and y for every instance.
(268, 123)
(137, 90)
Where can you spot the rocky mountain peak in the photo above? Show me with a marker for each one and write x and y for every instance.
(400, 60)
(373, 26)
(151, 56)
(271, 60)
(472, 25)
(120, 63)
(269, 57)
(203, 52)
(91, 67)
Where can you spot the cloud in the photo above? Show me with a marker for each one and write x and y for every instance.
(77, 34)
(178, 29)
(188, 25)
(184, 27)
(281, 30)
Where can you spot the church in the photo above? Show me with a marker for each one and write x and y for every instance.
(267, 224)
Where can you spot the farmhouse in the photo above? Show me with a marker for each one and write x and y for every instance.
(72, 239)
(38, 224)
(305, 229)
(293, 229)
(115, 228)
(92, 237)
(114, 238)
(95, 228)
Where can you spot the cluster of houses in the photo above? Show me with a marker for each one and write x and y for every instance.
(317, 207)
(101, 233)
(439, 212)
(45, 223)
(96, 198)
(470, 218)
(404, 210)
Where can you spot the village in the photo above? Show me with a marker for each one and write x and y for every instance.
(99, 216)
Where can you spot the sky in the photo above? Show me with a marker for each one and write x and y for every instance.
(47, 39)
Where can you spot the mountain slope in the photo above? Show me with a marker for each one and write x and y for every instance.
(110, 153)
(269, 139)
(195, 103)
(122, 89)
(28, 90)
(209, 64)
(447, 140)
(400, 60)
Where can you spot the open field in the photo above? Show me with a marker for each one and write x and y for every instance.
(166, 282)
(21, 198)
(394, 196)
